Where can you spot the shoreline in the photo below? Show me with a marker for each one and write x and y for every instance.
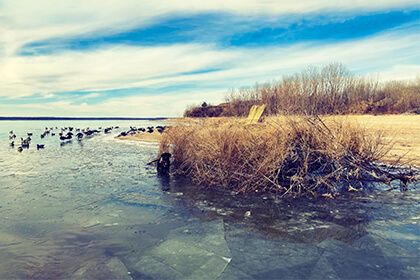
(154, 137)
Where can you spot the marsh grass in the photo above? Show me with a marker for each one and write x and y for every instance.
(290, 156)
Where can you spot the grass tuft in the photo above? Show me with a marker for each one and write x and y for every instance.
(290, 156)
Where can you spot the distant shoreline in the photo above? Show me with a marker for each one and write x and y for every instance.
(78, 119)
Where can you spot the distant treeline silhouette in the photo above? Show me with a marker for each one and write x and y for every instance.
(332, 89)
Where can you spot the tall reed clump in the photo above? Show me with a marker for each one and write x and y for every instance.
(289, 156)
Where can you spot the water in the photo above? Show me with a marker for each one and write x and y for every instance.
(95, 210)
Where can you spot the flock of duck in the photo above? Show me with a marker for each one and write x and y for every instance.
(65, 134)
(149, 129)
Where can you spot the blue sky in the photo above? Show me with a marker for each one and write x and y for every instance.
(131, 58)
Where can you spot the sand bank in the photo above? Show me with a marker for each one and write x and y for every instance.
(154, 137)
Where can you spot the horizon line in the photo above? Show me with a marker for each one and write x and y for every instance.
(44, 118)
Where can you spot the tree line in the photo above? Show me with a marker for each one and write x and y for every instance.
(327, 90)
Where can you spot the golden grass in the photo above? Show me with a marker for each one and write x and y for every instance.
(402, 131)
(288, 155)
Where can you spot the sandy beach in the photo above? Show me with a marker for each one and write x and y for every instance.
(143, 137)
(402, 130)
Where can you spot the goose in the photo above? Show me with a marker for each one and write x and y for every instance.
(24, 145)
(67, 137)
(40, 146)
(160, 128)
(107, 130)
(20, 149)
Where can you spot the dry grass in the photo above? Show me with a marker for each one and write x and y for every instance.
(288, 155)
(320, 91)
(402, 131)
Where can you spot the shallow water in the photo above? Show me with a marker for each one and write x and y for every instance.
(94, 210)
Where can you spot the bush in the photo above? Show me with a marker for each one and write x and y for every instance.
(287, 156)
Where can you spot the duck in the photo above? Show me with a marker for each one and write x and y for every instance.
(12, 144)
(20, 149)
(40, 146)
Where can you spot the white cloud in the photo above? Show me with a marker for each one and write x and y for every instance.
(152, 67)
(400, 72)
(24, 21)
(113, 67)
(134, 106)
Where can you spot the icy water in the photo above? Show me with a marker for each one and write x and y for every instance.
(94, 210)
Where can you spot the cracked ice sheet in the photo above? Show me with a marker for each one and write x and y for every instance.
(198, 252)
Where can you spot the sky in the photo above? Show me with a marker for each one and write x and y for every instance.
(137, 58)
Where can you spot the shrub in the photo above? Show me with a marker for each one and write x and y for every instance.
(288, 156)
(328, 90)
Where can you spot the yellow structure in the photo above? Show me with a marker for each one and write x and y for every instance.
(255, 113)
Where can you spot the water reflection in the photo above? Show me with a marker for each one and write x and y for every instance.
(93, 209)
